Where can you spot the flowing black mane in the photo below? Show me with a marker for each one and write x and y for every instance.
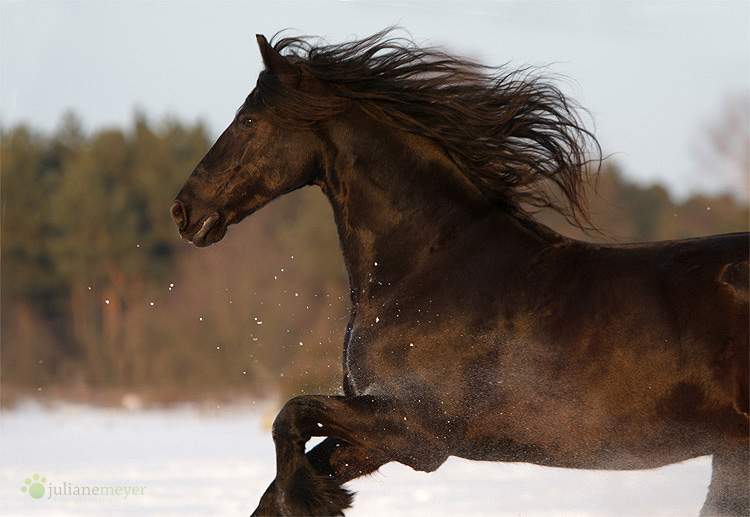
(510, 131)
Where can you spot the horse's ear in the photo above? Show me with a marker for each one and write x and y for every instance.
(276, 64)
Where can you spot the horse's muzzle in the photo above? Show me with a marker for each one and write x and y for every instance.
(208, 231)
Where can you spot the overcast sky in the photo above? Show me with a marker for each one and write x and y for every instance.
(652, 74)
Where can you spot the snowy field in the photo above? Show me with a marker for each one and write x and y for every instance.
(216, 461)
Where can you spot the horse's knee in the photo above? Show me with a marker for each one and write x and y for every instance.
(291, 418)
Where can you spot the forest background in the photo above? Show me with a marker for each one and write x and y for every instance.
(101, 299)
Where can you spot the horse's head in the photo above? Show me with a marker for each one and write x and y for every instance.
(252, 162)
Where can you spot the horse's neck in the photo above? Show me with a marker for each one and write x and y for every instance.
(396, 199)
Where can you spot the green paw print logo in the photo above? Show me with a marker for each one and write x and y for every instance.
(34, 486)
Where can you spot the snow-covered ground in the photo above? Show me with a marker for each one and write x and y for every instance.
(199, 461)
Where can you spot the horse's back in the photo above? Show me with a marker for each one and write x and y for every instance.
(714, 262)
(705, 283)
(735, 274)
(692, 271)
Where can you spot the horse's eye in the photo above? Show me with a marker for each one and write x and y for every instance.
(247, 122)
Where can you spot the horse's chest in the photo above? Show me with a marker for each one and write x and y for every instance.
(425, 357)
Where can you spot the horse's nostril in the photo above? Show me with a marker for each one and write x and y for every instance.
(179, 215)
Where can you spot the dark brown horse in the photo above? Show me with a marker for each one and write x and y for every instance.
(475, 331)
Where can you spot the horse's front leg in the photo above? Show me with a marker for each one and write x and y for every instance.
(371, 431)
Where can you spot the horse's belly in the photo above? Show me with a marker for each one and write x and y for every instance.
(582, 435)
(600, 458)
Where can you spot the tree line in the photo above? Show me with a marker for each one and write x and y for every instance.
(99, 293)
